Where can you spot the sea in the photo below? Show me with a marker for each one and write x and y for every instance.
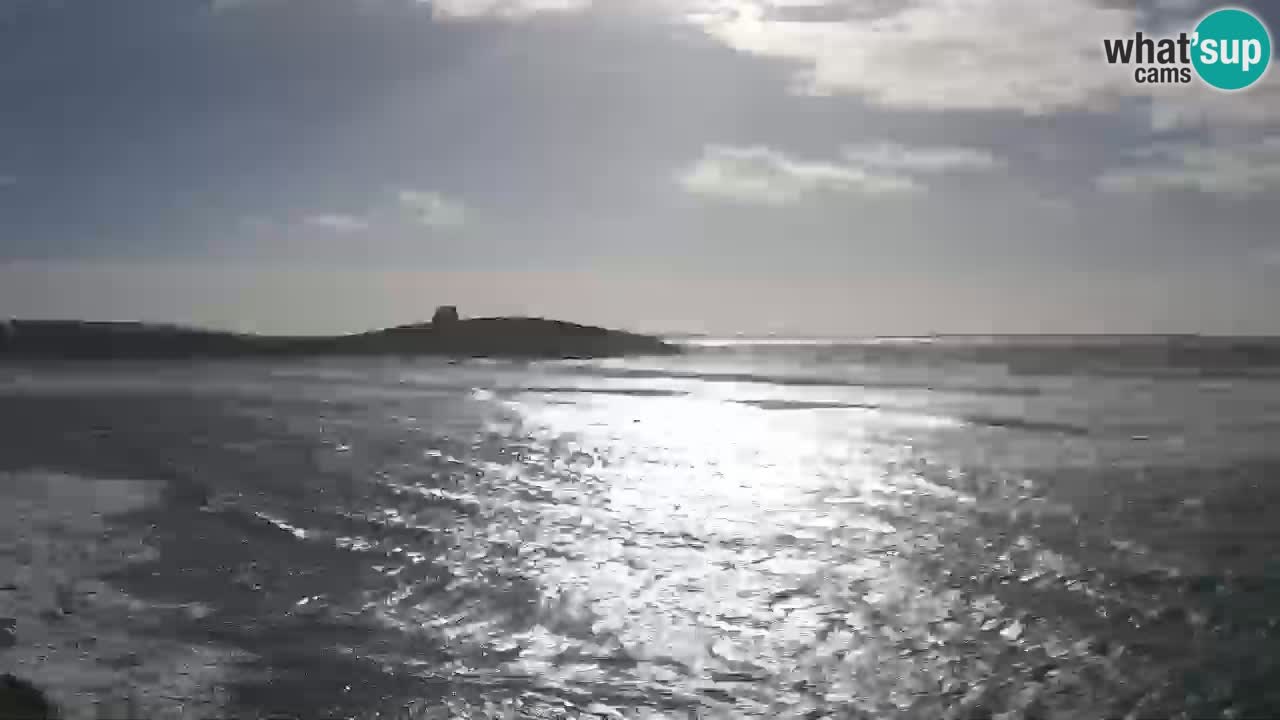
(939, 528)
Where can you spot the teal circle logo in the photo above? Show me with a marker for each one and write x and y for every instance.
(1232, 49)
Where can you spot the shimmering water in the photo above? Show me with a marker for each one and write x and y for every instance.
(781, 531)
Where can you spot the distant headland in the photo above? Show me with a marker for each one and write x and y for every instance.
(447, 334)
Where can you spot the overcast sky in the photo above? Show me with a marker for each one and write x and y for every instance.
(801, 166)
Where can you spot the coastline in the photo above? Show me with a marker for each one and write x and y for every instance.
(477, 337)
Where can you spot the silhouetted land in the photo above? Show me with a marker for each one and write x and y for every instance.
(478, 337)
(20, 700)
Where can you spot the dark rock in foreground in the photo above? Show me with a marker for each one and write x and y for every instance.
(20, 700)
(479, 337)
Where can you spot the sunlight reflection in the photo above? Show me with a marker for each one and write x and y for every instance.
(672, 568)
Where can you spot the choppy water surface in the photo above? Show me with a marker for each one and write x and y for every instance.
(788, 532)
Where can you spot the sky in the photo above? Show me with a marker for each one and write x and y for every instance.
(808, 167)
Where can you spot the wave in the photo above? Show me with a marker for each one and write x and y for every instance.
(1016, 423)
(783, 380)
(57, 541)
(1098, 355)
(978, 420)
(809, 405)
(628, 392)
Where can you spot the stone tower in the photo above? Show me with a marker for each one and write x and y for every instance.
(445, 315)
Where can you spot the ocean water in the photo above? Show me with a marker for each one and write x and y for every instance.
(782, 530)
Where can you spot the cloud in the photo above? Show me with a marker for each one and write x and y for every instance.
(8, 181)
(446, 9)
(761, 175)
(220, 6)
(502, 9)
(1029, 56)
(1200, 106)
(1238, 168)
(1034, 57)
(891, 156)
(337, 222)
(433, 209)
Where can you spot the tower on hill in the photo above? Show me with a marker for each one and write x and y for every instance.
(445, 315)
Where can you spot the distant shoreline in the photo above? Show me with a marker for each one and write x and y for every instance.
(1013, 340)
(476, 337)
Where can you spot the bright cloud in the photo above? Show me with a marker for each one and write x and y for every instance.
(337, 222)
(771, 177)
(760, 175)
(1030, 56)
(1035, 57)
(433, 209)
(1241, 168)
